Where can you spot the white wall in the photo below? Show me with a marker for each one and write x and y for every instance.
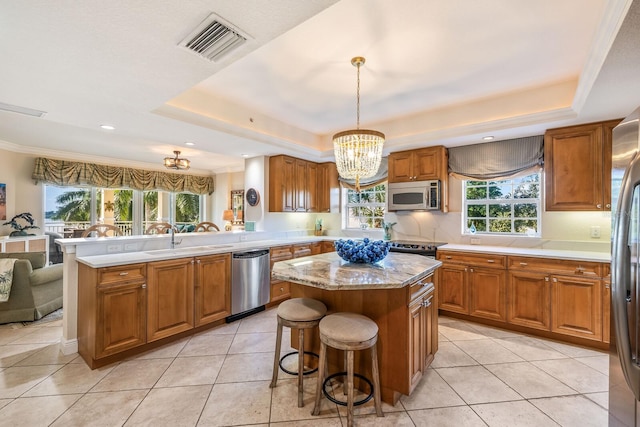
(22, 194)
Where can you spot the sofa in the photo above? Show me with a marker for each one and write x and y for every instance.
(36, 289)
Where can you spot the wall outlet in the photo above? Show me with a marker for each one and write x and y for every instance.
(114, 248)
(130, 246)
(475, 240)
(595, 231)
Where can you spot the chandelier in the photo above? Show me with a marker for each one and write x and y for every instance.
(358, 151)
(176, 162)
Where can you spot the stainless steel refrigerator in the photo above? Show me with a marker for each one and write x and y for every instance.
(624, 358)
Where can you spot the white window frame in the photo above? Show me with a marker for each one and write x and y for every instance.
(363, 220)
(508, 201)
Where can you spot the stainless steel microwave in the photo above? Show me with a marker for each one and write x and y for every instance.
(413, 196)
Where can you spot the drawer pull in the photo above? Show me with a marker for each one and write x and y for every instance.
(523, 264)
(580, 269)
(448, 257)
(490, 260)
(281, 289)
(144, 286)
(555, 280)
(427, 302)
(546, 279)
(124, 273)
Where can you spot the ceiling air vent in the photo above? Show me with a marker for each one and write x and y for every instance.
(21, 110)
(213, 39)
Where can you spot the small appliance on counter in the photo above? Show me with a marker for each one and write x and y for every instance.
(423, 248)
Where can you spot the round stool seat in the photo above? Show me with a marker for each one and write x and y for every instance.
(301, 310)
(348, 331)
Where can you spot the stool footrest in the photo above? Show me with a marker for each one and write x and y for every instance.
(340, 402)
(310, 371)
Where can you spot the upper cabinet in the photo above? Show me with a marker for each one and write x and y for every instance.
(423, 164)
(578, 167)
(297, 185)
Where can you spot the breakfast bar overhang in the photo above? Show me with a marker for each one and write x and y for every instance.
(399, 293)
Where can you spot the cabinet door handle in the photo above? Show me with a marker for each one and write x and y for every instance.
(124, 273)
(192, 262)
(554, 280)
(427, 302)
(546, 279)
(471, 270)
(144, 286)
(491, 261)
(523, 264)
(281, 289)
(599, 206)
(198, 261)
(608, 206)
(607, 285)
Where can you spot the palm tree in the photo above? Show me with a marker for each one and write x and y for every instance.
(187, 207)
(74, 206)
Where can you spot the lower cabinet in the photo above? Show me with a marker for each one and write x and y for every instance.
(422, 330)
(530, 300)
(453, 288)
(487, 293)
(212, 288)
(170, 297)
(280, 290)
(576, 306)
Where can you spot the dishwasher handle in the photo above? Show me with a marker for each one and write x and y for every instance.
(250, 254)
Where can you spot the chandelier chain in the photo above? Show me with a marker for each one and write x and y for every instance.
(358, 99)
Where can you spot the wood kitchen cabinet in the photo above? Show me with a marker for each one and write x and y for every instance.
(576, 306)
(111, 310)
(578, 167)
(422, 329)
(297, 185)
(280, 290)
(473, 284)
(530, 300)
(328, 246)
(212, 288)
(424, 164)
(170, 297)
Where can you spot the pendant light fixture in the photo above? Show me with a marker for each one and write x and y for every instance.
(358, 151)
(176, 162)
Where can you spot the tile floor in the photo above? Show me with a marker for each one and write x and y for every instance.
(480, 377)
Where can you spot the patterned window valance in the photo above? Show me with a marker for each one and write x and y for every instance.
(65, 173)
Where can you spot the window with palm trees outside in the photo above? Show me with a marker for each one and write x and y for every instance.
(503, 207)
(366, 208)
(75, 208)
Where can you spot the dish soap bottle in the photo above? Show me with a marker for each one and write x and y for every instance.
(472, 229)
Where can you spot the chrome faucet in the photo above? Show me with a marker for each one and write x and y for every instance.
(173, 239)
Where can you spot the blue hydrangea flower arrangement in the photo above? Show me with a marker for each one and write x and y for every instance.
(362, 251)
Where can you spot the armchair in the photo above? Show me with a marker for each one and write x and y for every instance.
(36, 289)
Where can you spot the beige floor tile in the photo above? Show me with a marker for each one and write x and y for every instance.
(321, 422)
(490, 332)
(576, 375)
(475, 384)
(196, 370)
(71, 378)
(450, 355)
(258, 323)
(16, 381)
(431, 392)
(133, 374)
(107, 409)
(48, 355)
(41, 336)
(284, 402)
(530, 348)
(599, 363)
(443, 320)
(237, 404)
(225, 329)
(36, 411)
(529, 381)
(601, 398)
(11, 354)
(513, 414)
(574, 350)
(173, 406)
(400, 419)
(260, 342)
(458, 331)
(170, 350)
(248, 367)
(456, 416)
(207, 345)
(573, 411)
(8, 335)
(5, 402)
(442, 338)
(487, 351)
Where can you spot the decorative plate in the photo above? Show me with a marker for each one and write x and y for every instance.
(253, 198)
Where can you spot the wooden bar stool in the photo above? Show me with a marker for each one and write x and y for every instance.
(348, 332)
(301, 314)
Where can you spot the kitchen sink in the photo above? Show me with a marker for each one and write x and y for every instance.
(188, 250)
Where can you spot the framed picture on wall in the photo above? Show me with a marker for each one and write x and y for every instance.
(3, 202)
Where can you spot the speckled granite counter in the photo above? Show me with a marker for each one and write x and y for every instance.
(329, 271)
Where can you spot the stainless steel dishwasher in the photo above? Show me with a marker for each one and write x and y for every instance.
(250, 283)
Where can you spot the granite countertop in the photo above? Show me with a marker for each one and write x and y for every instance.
(329, 271)
(532, 252)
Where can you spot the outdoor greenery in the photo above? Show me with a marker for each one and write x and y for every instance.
(507, 206)
(366, 207)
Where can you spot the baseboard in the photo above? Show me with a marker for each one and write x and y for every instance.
(68, 346)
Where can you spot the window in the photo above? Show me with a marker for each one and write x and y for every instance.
(365, 209)
(503, 207)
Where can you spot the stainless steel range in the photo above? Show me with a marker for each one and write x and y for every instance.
(423, 248)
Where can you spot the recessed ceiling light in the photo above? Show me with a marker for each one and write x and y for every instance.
(245, 155)
(190, 143)
(107, 127)
(487, 138)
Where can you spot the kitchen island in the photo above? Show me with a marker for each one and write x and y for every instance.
(398, 293)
